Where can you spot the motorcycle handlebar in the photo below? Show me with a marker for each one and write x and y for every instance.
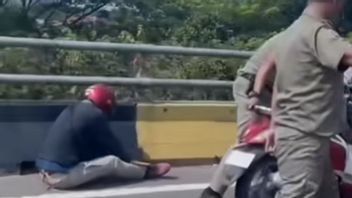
(262, 109)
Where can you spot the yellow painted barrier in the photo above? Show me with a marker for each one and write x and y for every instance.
(181, 131)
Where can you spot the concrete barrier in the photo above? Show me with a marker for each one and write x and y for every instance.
(23, 126)
(186, 131)
(154, 132)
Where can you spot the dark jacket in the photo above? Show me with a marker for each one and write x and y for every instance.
(80, 133)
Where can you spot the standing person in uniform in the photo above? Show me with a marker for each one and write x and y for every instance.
(80, 146)
(309, 105)
(243, 94)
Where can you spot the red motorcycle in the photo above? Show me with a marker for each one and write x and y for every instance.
(255, 171)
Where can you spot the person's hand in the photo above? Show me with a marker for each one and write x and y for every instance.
(270, 143)
(253, 101)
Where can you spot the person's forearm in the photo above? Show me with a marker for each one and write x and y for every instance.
(262, 75)
(273, 106)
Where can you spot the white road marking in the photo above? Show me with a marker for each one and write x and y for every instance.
(124, 191)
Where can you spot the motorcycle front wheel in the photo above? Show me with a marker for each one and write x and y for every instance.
(259, 180)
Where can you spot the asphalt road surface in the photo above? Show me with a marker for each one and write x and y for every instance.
(182, 182)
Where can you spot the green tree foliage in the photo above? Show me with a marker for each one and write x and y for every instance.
(225, 24)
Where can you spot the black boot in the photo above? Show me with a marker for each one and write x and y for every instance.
(210, 193)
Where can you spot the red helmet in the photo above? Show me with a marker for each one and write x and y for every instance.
(102, 96)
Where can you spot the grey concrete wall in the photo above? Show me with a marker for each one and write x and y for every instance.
(23, 127)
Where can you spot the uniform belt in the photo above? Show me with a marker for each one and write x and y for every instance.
(251, 78)
(248, 76)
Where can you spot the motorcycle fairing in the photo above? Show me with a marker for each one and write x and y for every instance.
(234, 171)
(338, 154)
(341, 155)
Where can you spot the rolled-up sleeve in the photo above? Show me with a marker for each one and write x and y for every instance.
(330, 47)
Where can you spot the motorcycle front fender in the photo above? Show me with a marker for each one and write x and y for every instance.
(235, 169)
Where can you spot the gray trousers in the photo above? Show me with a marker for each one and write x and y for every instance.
(305, 165)
(109, 166)
(222, 177)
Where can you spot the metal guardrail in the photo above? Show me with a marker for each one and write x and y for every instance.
(87, 80)
(105, 46)
(112, 47)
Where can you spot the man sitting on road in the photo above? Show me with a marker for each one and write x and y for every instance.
(81, 147)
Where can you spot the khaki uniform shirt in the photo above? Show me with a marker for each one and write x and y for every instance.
(260, 56)
(309, 84)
